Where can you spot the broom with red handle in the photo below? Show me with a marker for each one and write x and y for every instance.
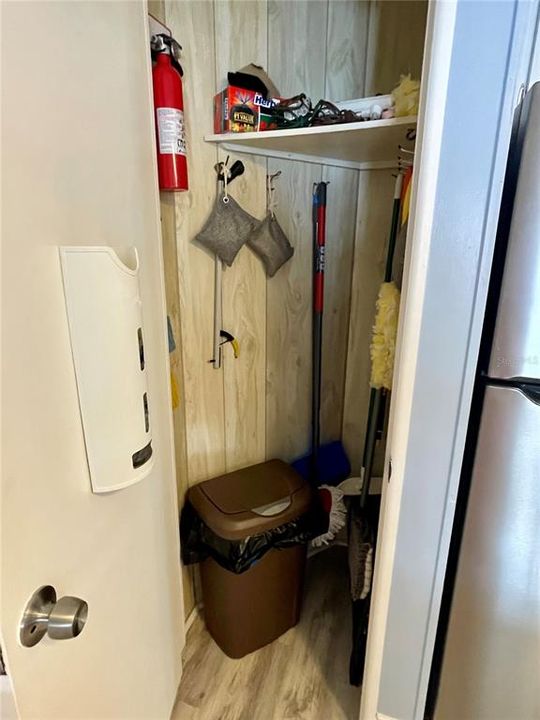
(327, 463)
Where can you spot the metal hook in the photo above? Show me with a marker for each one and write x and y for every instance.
(270, 190)
(269, 181)
(224, 173)
(408, 161)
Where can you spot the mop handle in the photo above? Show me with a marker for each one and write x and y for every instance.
(377, 399)
(318, 289)
(319, 239)
(393, 228)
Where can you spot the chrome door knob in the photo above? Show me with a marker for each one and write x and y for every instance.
(67, 618)
(59, 619)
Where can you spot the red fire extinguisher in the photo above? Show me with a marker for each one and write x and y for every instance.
(169, 113)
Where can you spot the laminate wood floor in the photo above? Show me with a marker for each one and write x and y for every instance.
(301, 676)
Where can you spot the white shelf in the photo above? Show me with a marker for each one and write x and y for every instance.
(363, 145)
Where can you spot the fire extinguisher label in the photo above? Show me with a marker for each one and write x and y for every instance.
(171, 135)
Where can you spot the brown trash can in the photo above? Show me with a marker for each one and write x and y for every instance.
(245, 611)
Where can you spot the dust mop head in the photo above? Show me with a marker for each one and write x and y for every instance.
(333, 504)
(383, 341)
(406, 96)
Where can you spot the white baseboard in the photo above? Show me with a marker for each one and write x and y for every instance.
(191, 617)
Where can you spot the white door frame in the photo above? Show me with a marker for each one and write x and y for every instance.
(439, 334)
(437, 57)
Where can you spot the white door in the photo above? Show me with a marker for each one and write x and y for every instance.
(78, 168)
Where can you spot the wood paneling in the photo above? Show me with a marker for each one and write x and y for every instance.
(170, 263)
(333, 49)
(341, 221)
(295, 64)
(157, 9)
(347, 37)
(344, 78)
(260, 404)
(241, 39)
(168, 232)
(288, 322)
(375, 192)
(193, 24)
(294, 28)
(297, 46)
(395, 46)
(395, 43)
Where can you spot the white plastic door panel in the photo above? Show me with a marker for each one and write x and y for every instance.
(78, 168)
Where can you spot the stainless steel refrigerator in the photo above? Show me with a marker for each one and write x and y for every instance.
(491, 655)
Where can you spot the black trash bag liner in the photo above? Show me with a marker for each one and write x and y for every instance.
(199, 542)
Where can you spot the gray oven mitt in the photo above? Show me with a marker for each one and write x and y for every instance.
(270, 243)
(227, 229)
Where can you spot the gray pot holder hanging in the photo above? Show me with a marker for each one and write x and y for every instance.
(270, 243)
(227, 229)
(268, 240)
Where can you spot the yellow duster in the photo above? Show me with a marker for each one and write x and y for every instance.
(406, 96)
(383, 341)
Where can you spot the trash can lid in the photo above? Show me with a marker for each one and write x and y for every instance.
(251, 500)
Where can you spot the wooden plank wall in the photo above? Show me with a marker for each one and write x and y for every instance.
(394, 46)
(288, 330)
(241, 38)
(259, 406)
(170, 261)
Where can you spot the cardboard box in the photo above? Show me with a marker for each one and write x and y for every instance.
(239, 110)
(235, 111)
